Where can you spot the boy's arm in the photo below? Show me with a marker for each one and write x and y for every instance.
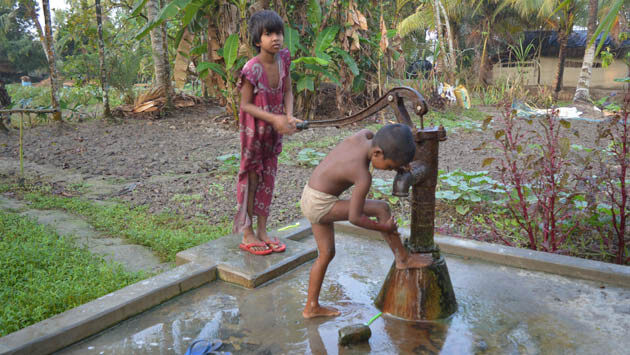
(279, 122)
(357, 201)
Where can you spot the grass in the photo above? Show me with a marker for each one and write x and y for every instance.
(43, 274)
(166, 233)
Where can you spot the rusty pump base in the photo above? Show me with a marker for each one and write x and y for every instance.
(425, 293)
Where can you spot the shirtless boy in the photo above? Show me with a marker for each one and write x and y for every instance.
(392, 147)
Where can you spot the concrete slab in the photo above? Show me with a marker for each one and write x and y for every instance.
(78, 323)
(243, 268)
(11, 204)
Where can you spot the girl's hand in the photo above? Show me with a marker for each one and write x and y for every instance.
(293, 121)
(283, 125)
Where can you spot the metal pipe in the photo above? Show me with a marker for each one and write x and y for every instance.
(405, 179)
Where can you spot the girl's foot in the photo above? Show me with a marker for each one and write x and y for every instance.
(274, 243)
(414, 261)
(253, 243)
(320, 311)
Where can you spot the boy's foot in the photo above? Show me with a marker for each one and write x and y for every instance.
(320, 311)
(415, 261)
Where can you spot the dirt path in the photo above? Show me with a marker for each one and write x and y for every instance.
(172, 164)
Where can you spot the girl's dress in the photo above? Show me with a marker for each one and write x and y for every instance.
(260, 143)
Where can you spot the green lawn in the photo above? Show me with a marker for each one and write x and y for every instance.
(43, 274)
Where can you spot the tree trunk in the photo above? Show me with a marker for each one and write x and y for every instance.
(584, 82)
(563, 38)
(159, 51)
(101, 60)
(214, 82)
(440, 67)
(482, 62)
(452, 63)
(33, 15)
(50, 48)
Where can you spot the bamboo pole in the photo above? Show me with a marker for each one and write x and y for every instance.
(25, 110)
(21, 151)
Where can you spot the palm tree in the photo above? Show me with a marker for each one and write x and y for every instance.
(559, 15)
(583, 84)
(101, 59)
(160, 52)
(50, 50)
(433, 13)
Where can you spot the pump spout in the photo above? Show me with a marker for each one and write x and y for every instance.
(405, 179)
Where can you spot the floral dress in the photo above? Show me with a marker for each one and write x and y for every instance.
(260, 143)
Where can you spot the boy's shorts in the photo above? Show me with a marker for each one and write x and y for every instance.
(316, 204)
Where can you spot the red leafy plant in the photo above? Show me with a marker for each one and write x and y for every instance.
(534, 163)
(608, 202)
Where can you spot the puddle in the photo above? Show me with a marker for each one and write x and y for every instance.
(501, 310)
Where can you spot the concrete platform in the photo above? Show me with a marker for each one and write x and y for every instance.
(501, 310)
(242, 268)
(220, 258)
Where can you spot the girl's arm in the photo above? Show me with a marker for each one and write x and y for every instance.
(288, 97)
(279, 122)
(288, 103)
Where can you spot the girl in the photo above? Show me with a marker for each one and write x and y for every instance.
(266, 114)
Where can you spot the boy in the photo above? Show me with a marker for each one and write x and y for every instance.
(348, 165)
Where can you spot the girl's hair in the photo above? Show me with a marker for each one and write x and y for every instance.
(264, 20)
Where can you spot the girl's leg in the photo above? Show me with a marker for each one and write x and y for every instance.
(325, 237)
(248, 233)
(264, 194)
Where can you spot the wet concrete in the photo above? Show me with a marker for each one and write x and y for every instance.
(242, 268)
(133, 257)
(502, 310)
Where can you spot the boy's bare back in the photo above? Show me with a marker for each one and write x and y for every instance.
(346, 165)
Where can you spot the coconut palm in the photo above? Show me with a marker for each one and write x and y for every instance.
(101, 58)
(160, 51)
(433, 13)
(50, 50)
(557, 14)
(583, 84)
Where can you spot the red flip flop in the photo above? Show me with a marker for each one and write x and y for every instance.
(248, 248)
(276, 246)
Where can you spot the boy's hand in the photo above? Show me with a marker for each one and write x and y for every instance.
(391, 226)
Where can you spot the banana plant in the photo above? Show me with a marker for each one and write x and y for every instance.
(228, 71)
(318, 61)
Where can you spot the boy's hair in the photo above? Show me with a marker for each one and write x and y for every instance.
(264, 20)
(396, 141)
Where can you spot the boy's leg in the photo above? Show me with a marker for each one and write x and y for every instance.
(380, 210)
(248, 233)
(325, 237)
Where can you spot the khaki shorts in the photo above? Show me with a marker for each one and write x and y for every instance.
(316, 204)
